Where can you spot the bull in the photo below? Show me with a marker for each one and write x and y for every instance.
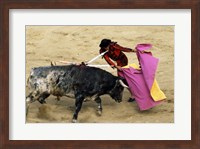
(79, 80)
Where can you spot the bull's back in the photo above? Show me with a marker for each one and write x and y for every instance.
(96, 74)
(39, 75)
(70, 75)
(43, 72)
(94, 79)
(84, 70)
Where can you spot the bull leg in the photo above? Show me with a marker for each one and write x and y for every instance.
(98, 101)
(57, 98)
(29, 99)
(32, 97)
(42, 98)
(78, 104)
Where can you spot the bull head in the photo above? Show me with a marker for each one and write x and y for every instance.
(117, 91)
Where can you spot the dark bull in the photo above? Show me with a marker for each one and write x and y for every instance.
(80, 80)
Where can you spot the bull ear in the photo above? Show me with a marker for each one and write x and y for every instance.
(122, 83)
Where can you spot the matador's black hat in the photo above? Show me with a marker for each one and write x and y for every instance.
(104, 43)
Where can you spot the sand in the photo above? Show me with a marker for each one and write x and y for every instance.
(81, 43)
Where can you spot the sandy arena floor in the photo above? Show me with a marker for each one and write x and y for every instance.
(81, 43)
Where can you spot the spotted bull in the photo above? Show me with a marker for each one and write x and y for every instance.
(80, 80)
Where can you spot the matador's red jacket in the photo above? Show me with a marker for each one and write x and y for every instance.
(115, 53)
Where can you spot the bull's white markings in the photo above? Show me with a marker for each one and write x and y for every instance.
(42, 84)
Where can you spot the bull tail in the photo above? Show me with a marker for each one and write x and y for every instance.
(28, 101)
(27, 80)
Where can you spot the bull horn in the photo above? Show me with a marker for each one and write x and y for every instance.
(122, 83)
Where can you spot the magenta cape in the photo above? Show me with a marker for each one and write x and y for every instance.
(140, 81)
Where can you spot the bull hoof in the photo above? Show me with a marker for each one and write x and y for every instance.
(99, 112)
(57, 98)
(74, 121)
(42, 101)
